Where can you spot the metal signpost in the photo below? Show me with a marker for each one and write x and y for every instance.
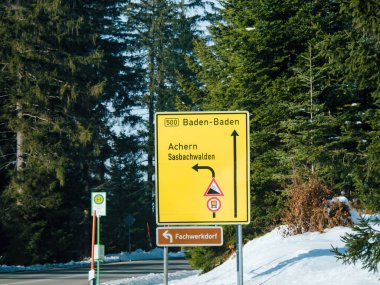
(202, 168)
(202, 174)
(98, 206)
(129, 220)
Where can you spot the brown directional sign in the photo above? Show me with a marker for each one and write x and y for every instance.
(189, 236)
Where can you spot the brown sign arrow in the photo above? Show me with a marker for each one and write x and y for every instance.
(189, 236)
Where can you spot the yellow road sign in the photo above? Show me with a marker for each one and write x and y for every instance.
(202, 168)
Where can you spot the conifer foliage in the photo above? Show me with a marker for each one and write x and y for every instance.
(307, 72)
(43, 70)
(362, 245)
(56, 81)
(73, 73)
(159, 36)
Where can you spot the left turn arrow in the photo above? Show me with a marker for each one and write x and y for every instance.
(196, 167)
(168, 236)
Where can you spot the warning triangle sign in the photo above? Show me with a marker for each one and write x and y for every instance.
(213, 189)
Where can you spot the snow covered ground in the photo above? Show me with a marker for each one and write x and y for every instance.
(270, 259)
(274, 259)
(157, 253)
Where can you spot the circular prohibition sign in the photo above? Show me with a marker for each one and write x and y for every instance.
(98, 199)
(214, 204)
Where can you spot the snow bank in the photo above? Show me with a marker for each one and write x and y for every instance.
(157, 253)
(274, 259)
(154, 279)
(38, 267)
(139, 254)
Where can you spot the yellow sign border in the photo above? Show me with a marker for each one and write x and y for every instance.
(176, 122)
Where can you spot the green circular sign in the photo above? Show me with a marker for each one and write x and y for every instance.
(98, 199)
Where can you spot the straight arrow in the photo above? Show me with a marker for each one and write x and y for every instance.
(196, 167)
(234, 135)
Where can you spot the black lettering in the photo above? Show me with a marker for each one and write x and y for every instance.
(226, 122)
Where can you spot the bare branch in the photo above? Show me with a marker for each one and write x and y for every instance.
(35, 117)
(6, 165)
(5, 155)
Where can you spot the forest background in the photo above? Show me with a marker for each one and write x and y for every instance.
(80, 82)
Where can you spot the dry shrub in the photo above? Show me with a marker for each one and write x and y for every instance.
(309, 209)
(338, 214)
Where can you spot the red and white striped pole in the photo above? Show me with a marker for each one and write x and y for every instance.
(91, 273)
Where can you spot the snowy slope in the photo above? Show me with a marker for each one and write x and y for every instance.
(273, 259)
(270, 259)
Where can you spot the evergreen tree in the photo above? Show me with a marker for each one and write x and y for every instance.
(251, 66)
(126, 197)
(160, 36)
(121, 176)
(358, 66)
(277, 60)
(356, 53)
(274, 60)
(55, 111)
(342, 129)
(362, 245)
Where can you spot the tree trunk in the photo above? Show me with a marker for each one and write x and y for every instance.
(151, 110)
(19, 142)
(19, 148)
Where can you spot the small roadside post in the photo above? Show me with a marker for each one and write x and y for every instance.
(98, 208)
(129, 220)
(91, 273)
(239, 254)
(148, 234)
(166, 261)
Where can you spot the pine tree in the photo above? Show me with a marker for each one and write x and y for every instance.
(53, 110)
(126, 196)
(361, 68)
(160, 36)
(251, 65)
(358, 66)
(362, 245)
(271, 58)
(119, 144)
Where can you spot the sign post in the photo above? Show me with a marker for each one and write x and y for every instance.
(91, 273)
(129, 220)
(166, 262)
(239, 254)
(98, 255)
(98, 206)
(202, 173)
